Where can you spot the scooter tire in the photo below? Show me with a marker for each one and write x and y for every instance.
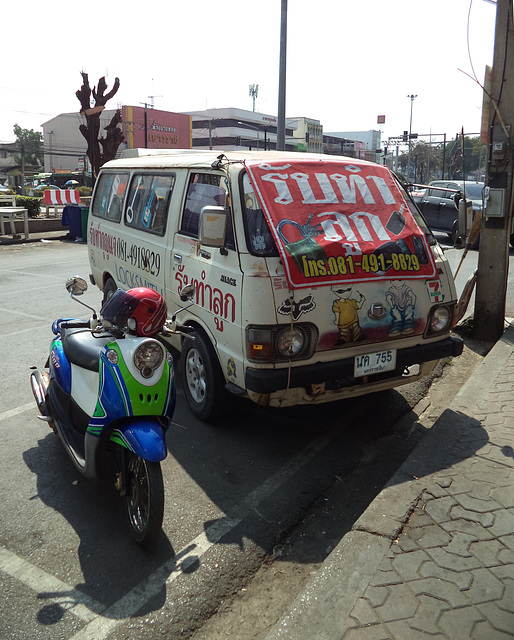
(144, 500)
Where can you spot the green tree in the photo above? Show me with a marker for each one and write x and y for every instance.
(30, 145)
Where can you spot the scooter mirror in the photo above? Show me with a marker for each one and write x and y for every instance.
(187, 293)
(75, 285)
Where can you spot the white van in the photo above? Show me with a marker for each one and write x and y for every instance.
(316, 276)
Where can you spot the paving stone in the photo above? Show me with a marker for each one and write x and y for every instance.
(487, 552)
(508, 541)
(439, 509)
(474, 529)
(439, 589)
(408, 564)
(484, 631)
(400, 604)
(503, 571)
(363, 613)
(401, 630)
(385, 578)
(463, 580)
(405, 543)
(485, 587)
(506, 556)
(432, 536)
(458, 484)
(450, 561)
(482, 490)
(503, 523)
(485, 519)
(499, 618)
(458, 624)
(460, 543)
(505, 498)
(376, 595)
(375, 632)
(418, 519)
(427, 614)
(507, 602)
(477, 504)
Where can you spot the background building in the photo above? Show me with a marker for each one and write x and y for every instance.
(65, 147)
(231, 129)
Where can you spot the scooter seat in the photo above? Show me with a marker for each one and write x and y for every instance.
(83, 348)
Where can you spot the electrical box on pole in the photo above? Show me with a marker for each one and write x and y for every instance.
(496, 228)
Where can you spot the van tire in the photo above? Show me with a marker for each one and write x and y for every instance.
(202, 379)
(109, 288)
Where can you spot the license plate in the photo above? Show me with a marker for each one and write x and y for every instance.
(371, 363)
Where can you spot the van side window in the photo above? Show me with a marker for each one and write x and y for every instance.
(148, 202)
(109, 196)
(259, 238)
(205, 190)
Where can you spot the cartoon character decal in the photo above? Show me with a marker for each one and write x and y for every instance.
(402, 300)
(345, 309)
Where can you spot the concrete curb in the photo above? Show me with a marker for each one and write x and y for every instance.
(322, 610)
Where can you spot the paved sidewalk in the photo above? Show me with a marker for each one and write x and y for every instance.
(36, 237)
(433, 555)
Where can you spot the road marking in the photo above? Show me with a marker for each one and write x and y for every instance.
(14, 412)
(134, 600)
(100, 621)
(49, 587)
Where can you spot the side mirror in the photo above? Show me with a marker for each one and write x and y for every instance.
(187, 293)
(213, 226)
(75, 285)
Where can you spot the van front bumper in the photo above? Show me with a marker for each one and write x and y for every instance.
(271, 380)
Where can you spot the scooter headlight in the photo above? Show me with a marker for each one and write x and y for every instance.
(148, 357)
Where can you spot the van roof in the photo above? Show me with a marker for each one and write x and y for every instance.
(152, 158)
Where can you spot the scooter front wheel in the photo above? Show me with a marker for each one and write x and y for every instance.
(145, 499)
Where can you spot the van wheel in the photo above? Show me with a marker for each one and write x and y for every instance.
(202, 379)
(109, 288)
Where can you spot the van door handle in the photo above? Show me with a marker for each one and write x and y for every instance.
(177, 257)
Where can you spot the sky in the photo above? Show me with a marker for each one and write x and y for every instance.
(347, 61)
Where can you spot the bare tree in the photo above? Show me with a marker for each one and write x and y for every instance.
(91, 130)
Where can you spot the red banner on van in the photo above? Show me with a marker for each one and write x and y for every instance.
(338, 221)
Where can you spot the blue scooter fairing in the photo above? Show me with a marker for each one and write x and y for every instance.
(143, 436)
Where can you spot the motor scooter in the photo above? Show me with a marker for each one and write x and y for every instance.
(108, 392)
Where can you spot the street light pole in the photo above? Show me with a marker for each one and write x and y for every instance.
(412, 98)
(281, 124)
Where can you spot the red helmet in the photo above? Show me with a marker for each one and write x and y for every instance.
(141, 310)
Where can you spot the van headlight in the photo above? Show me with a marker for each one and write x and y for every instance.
(148, 357)
(277, 343)
(290, 342)
(440, 320)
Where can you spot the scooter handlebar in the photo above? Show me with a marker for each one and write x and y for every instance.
(75, 324)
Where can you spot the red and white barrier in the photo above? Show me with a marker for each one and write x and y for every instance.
(61, 197)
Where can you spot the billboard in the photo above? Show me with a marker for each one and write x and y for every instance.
(159, 130)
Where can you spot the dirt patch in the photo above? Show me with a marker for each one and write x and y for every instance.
(259, 605)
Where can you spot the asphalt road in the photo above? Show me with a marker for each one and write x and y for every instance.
(68, 568)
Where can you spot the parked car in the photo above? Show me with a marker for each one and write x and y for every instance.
(4, 189)
(42, 187)
(439, 204)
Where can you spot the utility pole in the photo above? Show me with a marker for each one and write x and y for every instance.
(281, 123)
(412, 98)
(493, 259)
